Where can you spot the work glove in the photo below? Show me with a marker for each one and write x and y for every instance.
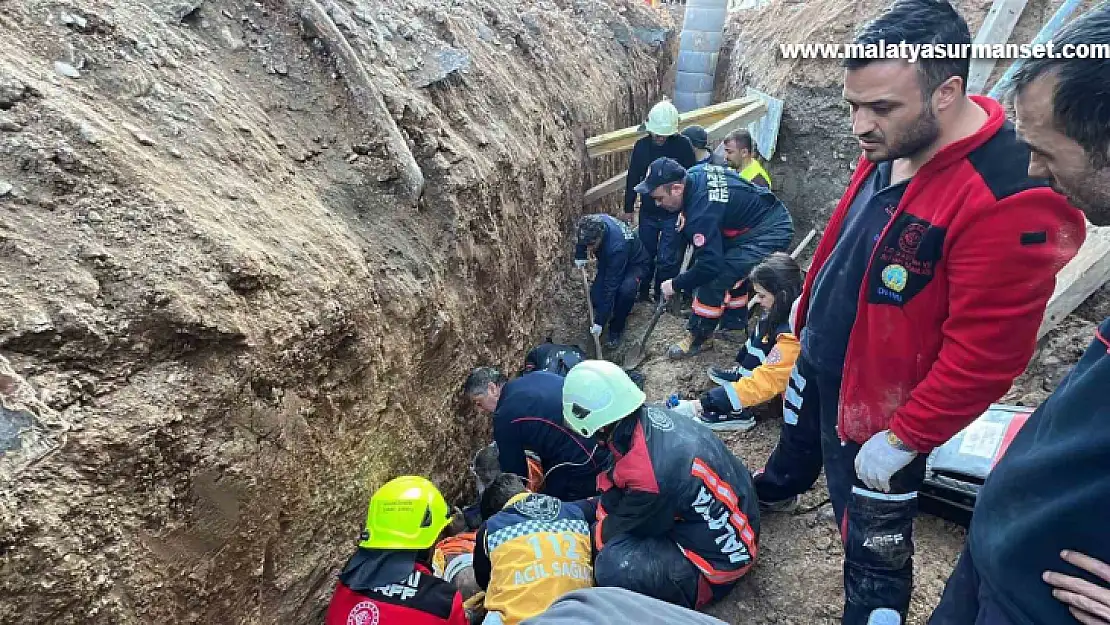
(595, 330)
(579, 263)
(879, 459)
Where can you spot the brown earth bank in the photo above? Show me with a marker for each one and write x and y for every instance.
(215, 272)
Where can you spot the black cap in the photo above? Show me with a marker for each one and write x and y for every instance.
(697, 135)
(662, 171)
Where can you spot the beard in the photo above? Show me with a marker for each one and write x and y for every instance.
(914, 139)
(1092, 196)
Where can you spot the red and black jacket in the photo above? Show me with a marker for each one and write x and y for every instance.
(955, 288)
(672, 477)
(419, 599)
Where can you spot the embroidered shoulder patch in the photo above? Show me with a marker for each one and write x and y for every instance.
(699, 240)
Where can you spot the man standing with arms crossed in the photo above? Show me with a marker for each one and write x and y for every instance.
(923, 300)
(1038, 547)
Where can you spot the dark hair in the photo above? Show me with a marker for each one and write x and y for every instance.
(742, 139)
(779, 275)
(504, 487)
(480, 379)
(1081, 102)
(920, 22)
(590, 229)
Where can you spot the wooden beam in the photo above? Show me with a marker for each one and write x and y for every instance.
(997, 28)
(1085, 274)
(611, 185)
(623, 139)
(741, 118)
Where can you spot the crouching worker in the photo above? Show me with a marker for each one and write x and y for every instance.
(389, 579)
(531, 550)
(622, 262)
(531, 438)
(764, 363)
(678, 518)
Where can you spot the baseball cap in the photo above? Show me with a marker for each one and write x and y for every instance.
(662, 170)
(697, 135)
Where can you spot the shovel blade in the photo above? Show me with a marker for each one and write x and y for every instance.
(634, 357)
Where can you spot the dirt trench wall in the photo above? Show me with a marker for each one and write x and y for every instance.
(208, 273)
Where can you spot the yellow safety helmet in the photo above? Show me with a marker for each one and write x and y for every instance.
(407, 512)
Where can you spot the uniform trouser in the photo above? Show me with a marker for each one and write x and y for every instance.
(724, 300)
(659, 235)
(877, 528)
(655, 567)
(626, 297)
(966, 600)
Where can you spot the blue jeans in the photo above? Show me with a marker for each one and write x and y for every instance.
(659, 235)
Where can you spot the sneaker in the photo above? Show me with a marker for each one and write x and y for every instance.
(688, 347)
(727, 421)
(784, 506)
(723, 376)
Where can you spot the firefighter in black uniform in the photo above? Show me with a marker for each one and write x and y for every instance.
(733, 225)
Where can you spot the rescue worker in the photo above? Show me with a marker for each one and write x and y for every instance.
(923, 300)
(678, 519)
(733, 225)
(528, 420)
(764, 363)
(531, 550)
(657, 226)
(699, 138)
(740, 153)
(622, 263)
(553, 357)
(389, 579)
(1037, 550)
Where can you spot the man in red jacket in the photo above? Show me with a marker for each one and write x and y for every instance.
(923, 300)
(389, 579)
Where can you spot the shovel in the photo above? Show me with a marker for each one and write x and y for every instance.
(590, 308)
(633, 358)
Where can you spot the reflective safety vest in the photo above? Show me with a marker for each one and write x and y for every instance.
(753, 170)
(539, 550)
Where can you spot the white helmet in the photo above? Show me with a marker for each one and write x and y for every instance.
(598, 393)
(662, 120)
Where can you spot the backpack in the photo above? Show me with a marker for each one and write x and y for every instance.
(557, 359)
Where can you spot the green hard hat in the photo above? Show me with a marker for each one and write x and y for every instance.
(598, 393)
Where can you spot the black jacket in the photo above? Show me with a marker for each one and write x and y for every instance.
(644, 152)
(720, 210)
(529, 417)
(1049, 492)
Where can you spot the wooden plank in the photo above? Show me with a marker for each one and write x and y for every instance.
(997, 28)
(611, 185)
(1085, 274)
(622, 140)
(716, 132)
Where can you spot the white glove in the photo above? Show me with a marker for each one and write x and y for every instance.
(878, 460)
(579, 263)
(595, 330)
(689, 407)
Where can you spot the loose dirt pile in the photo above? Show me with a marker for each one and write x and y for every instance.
(214, 271)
